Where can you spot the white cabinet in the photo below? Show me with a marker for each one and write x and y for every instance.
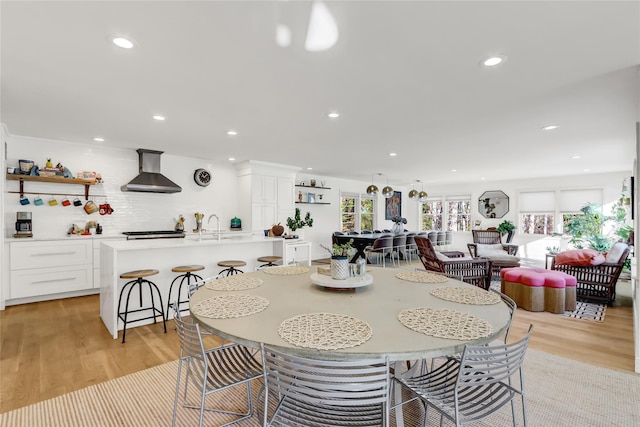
(51, 267)
(286, 195)
(264, 215)
(265, 193)
(297, 253)
(264, 189)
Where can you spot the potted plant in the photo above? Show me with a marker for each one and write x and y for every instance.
(506, 227)
(340, 259)
(296, 222)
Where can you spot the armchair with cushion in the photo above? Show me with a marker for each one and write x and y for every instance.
(476, 271)
(488, 244)
(597, 275)
(489, 237)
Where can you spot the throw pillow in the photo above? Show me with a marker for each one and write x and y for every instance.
(484, 250)
(580, 257)
(614, 254)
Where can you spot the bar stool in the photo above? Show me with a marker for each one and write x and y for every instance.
(231, 267)
(186, 277)
(138, 277)
(269, 260)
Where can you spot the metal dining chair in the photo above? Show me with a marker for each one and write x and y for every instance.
(441, 239)
(312, 392)
(477, 385)
(382, 247)
(211, 370)
(399, 247)
(412, 247)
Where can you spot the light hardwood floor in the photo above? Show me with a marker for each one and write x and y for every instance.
(54, 347)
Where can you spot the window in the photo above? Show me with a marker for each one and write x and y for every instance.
(459, 215)
(357, 219)
(537, 223)
(431, 215)
(548, 211)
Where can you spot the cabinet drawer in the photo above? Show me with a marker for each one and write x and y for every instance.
(45, 281)
(29, 255)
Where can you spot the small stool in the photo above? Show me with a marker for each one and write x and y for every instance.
(537, 289)
(138, 277)
(187, 276)
(231, 267)
(270, 260)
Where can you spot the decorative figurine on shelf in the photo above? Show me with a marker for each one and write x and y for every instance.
(299, 196)
(180, 223)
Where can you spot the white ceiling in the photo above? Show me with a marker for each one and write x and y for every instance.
(405, 77)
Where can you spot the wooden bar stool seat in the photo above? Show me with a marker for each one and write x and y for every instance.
(269, 260)
(137, 282)
(231, 267)
(188, 276)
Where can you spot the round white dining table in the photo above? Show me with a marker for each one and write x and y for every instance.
(378, 304)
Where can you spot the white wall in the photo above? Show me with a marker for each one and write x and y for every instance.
(151, 211)
(327, 217)
(132, 210)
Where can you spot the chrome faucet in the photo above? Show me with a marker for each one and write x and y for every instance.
(217, 220)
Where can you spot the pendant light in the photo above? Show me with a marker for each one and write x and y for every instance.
(422, 195)
(387, 191)
(413, 194)
(372, 190)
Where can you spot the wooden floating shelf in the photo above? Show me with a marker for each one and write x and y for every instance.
(311, 186)
(313, 203)
(53, 179)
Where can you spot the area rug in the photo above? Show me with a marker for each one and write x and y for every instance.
(560, 392)
(587, 311)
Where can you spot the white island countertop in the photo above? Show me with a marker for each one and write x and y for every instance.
(191, 240)
(120, 256)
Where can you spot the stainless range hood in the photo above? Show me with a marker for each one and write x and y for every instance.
(150, 180)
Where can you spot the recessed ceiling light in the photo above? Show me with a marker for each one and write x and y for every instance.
(587, 170)
(333, 115)
(309, 169)
(158, 118)
(122, 42)
(550, 127)
(232, 159)
(483, 178)
(575, 157)
(232, 132)
(454, 170)
(98, 139)
(492, 61)
(393, 154)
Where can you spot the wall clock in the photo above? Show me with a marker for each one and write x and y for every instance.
(202, 177)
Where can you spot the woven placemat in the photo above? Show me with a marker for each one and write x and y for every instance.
(474, 296)
(422, 277)
(229, 306)
(445, 323)
(239, 282)
(286, 271)
(325, 331)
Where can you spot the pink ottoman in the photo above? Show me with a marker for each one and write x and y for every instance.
(537, 289)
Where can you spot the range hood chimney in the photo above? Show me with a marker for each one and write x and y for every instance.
(150, 180)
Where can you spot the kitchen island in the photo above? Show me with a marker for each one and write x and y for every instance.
(117, 257)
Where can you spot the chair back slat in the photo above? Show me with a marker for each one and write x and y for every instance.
(353, 389)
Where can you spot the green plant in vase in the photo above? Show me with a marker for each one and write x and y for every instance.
(506, 227)
(297, 222)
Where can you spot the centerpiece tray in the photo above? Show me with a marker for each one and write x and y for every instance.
(348, 283)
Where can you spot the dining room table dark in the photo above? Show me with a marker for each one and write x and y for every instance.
(360, 243)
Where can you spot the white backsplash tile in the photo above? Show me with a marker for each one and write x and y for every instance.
(132, 210)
